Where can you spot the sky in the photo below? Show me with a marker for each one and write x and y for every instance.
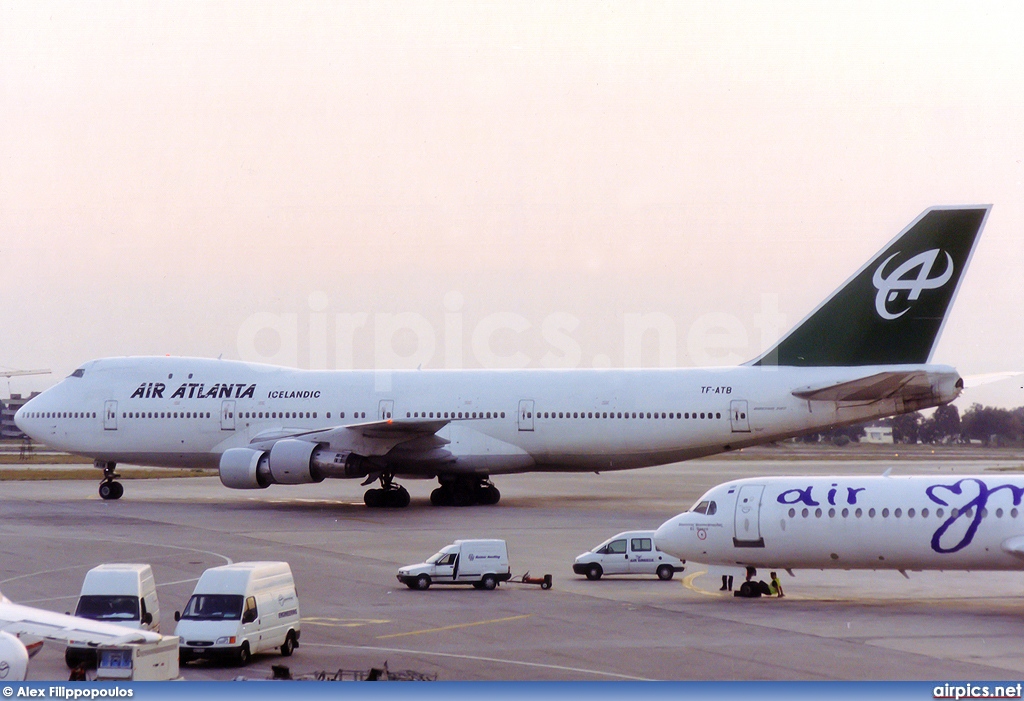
(530, 184)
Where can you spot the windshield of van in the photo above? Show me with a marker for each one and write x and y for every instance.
(213, 607)
(432, 560)
(108, 608)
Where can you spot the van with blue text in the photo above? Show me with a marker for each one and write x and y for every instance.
(239, 610)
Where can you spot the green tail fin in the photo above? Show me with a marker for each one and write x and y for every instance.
(891, 312)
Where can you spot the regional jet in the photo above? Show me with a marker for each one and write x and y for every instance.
(864, 353)
(951, 522)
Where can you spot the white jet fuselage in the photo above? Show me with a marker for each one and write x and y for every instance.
(950, 522)
(181, 412)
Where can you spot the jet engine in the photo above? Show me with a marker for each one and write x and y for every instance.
(289, 461)
(13, 659)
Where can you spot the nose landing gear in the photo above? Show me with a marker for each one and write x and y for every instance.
(110, 488)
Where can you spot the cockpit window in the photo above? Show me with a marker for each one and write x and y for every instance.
(78, 373)
(708, 508)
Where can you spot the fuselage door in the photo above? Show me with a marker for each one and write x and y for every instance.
(738, 416)
(227, 415)
(386, 409)
(747, 517)
(526, 415)
(110, 415)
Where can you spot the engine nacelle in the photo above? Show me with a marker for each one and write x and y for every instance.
(243, 468)
(289, 461)
(13, 659)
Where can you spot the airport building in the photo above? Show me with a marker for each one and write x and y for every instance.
(877, 434)
(8, 429)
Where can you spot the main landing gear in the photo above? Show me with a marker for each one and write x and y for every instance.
(465, 491)
(110, 488)
(390, 495)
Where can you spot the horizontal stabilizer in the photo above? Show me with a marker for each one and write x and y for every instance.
(972, 381)
(883, 385)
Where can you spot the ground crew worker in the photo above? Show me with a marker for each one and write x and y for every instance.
(776, 585)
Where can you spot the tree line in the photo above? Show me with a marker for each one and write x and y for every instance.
(986, 424)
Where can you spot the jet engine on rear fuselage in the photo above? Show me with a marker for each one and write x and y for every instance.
(289, 461)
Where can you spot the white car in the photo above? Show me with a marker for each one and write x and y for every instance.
(632, 552)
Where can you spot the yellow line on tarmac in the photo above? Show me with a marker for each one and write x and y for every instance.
(688, 583)
(344, 622)
(454, 627)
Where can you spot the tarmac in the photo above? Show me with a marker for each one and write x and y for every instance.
(830, 626)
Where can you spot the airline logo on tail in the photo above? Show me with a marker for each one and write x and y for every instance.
(889, 287)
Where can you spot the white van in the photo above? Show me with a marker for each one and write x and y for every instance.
(121, 593)
(239, 610)
(482, 563)
(632, 552)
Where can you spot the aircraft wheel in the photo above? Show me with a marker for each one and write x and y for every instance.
(489, 495)
(397, 498)
(461, 496)
(111, 490)
(374, 498)
(442, 496)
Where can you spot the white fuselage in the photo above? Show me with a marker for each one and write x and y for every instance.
(179, 412)
(953, 522)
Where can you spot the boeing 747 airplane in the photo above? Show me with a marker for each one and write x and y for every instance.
(951, 522)
(862, 354)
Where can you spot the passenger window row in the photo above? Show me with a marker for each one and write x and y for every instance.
(61, 415)
(897, 513)
(165, 415)
(279, 415)
(455, 415)
(623, 415)
(189, 415)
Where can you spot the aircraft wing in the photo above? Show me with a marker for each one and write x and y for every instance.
(26, 620)
(907, 385)
(1014, 546)
(417, 437)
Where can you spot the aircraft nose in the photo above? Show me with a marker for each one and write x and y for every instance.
(670, 536)
(19, 416)
(24, 417)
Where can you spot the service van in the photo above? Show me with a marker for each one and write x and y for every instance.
(239, 610)
(631, 552)
(121, 593)
(482, 563)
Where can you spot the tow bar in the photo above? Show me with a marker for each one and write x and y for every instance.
(544, 582)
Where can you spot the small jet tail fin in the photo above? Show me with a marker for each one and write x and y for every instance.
(891, 312)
